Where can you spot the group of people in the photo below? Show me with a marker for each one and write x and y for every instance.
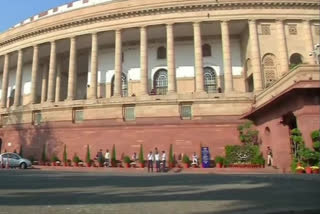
(160, 161)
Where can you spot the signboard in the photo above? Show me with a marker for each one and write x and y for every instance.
(205, 157)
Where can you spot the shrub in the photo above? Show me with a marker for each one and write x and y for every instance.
(219, 159)
(21, 152)
(88, 156)
(315, 135)
(185, 159)
(247, 134)
(44, 153)
(294, 164)
(141, 158)
(171, 158)
(316, 145)
(76, 158)
(54, 158)
(126, 159)
(65, 156)
(113, 155)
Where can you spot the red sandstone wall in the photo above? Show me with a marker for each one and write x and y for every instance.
(185, 138)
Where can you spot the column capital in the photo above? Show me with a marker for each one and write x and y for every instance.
(279, 20)
(169, 24)
(306, 20)
(252, 21)
(225, 20)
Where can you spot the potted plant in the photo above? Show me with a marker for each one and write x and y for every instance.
(65, 156)
(55, 160)
(113, 157)
(308, 170)
(171, 157)
(69, 162)
(141, 158)
(219, 161)
(88, 157)
(315, 169)
(76, 159)
(127, 161)
(299, 169)
(186, 161)
(44, 155)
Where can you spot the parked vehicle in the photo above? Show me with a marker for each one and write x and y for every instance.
(14, 160)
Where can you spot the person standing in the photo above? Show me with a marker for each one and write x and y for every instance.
(107, 158)
(157, 159)
(150, 161)
(270, 156)
(163, 159)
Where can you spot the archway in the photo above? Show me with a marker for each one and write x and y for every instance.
(160, 82)
(210, 80)
(124, 85)
(295, 59)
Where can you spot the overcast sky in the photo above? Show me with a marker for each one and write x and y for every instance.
(14, 11)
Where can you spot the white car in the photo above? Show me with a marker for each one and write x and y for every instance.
(14, 160)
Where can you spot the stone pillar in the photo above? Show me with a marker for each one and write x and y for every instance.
(198, 57)
(5, 80)
(72, 79)
(118, 65)
(52, 73)
(255, 55)
(34, 74)
(58, 80)
(17, 94)
(227, 61)
(144, 60)
(309, 41)
(94, 67)
(171, 63)
(282, 47)
(44, 83)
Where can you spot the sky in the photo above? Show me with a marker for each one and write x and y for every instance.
(14, 11)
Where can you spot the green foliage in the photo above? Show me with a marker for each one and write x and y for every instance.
(298, 143)
(294, 164)
(315, 135)
(247, 134)
(296, 132)
(219, 159)
(171, 158)
(113, 154)
(76, 158)
(88, 155)
(44, 153)
(54, 158)
(126, 159)
(185, 159)
(243, 154)
(65, 156)
(316, 145)
(21, 152)
(141, 158)
(308, 156)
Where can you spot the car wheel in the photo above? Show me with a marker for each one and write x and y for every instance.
(23, 166)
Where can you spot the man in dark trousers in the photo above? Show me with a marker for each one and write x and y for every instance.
(150, 161)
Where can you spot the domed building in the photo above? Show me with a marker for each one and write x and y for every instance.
(180, 72)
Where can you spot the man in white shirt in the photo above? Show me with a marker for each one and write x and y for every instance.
(150, 161)
(163, 159)
(194, 159)
(107, 158)
(157, 159)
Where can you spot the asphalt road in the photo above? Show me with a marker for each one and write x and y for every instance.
(43, 192)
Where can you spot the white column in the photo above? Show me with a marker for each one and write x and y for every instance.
(58, 80)
(282, 48)
(255, 56)
(52, 72)
(118, 64)
(5, 79)
(144, 60)
(94, 67)
(72, 79)
(17, 94)
(171, 60)
(34, 74)
(309, 41)
(198, 61)
(44, 87)
(227, 61)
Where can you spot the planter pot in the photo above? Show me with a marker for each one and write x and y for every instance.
(127, 165)
(65, 164)
(315, 171)
(186, 165)
(54, 164)
(171, 165)
(88, 164)
(141, 165)
(219, 165)
(100, 164)
(308, 170)
(299, 171)
(76, 164)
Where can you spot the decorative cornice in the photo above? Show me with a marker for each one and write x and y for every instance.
(163, 10)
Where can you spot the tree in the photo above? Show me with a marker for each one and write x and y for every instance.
(44, 154)
(171, 157)
(247, 134)
(88, 156)
(65, 156)
(113, 155)
(141, 157)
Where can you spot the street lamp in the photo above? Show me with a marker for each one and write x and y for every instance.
(316, 53)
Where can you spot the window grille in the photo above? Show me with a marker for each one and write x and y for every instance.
(78, 115)
(210, 80)
(161, 82)
(37, 118)
(129, 113)
(186, 113)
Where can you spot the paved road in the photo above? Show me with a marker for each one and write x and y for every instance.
(44, 192)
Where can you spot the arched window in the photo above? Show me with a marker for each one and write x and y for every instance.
(160, 82)
(269, 69)
(295, 59)
(210, 80)
(161, 53)
(206, 50)
(124, 86)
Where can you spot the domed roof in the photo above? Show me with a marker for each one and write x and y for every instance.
(64, 8)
